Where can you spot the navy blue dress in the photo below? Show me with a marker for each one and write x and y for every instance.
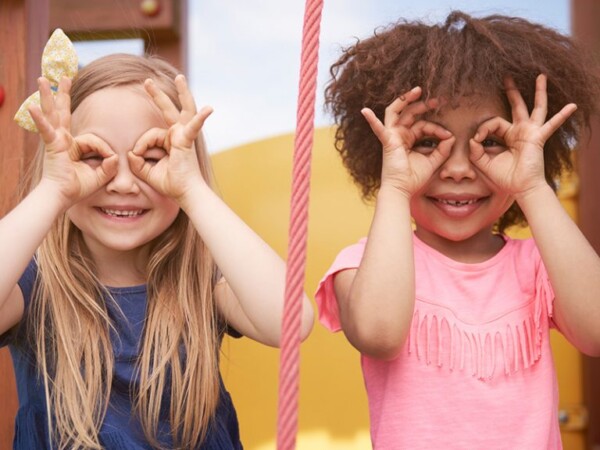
(120, 429)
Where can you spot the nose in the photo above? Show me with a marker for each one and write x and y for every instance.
(458, 166)
(124, 181)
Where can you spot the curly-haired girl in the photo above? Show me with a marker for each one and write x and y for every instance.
(463, 127)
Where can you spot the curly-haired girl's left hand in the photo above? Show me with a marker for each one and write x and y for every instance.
(518, 167)
(166, 158)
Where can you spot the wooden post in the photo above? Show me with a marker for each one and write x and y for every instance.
(23, 33)
(585, 17)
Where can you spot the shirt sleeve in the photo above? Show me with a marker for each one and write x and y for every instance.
(348, 258)
(26, 284)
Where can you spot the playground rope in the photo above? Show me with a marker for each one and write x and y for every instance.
(289, 365)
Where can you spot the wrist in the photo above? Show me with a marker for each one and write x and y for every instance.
(54, 195)
(536, 195)
(388, 190)
(194, 195)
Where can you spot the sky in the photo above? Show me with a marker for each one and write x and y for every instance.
(244, 56)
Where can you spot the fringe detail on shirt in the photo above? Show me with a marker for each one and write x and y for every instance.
(513, 341)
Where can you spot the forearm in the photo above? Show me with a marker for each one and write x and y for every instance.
(254, 272)
(21, 232)
(377, 311)
(573, 267)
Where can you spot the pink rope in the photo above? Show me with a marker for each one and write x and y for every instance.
(289, 365)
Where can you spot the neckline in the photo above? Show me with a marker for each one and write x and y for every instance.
(136, 289)
(467, 267)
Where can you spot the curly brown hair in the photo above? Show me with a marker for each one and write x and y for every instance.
(464, 56)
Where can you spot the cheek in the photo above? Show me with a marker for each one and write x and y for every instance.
(418, 203)
(76, 215)
(169, 209)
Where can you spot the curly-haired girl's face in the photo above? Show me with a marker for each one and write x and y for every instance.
(459, 203)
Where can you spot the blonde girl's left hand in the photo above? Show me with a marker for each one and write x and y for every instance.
(512, 154)
(166, 158)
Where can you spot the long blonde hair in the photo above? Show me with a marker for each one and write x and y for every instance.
(71, 324)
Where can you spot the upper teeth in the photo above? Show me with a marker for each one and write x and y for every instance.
(457, 202)
(120, 213)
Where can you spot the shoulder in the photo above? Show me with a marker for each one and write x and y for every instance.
(325, 298)
(350, 256)
(16, 308)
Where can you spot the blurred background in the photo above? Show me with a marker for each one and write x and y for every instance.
(243, 59)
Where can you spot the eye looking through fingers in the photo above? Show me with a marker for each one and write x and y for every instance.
(425, 145)
(154, 155)
(92, 159)
(493, 145)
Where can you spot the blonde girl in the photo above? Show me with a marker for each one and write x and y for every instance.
(122, 270)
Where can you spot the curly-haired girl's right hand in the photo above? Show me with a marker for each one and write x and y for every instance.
(404, 166)
(76, 166)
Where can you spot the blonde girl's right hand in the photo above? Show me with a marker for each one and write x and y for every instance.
(404, 166)
(65, 156)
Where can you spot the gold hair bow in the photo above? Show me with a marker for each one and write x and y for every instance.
(58, 60)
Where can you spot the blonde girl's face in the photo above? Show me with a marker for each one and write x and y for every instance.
(126, 214)
(460, 204)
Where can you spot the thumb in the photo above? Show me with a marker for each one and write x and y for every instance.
(139, 166)
(107, 170)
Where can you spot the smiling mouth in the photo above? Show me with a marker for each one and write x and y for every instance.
(122, 213)
(457, 203)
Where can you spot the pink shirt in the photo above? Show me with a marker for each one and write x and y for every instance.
(476, 371)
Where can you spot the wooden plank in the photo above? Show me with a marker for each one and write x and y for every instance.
(114, 19)
(23, 32)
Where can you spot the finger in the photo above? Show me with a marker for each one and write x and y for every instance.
(47, 131)
(409, 115)
(162, 100)
(426, 128)
(46, 99)
(154, 137)
(442, 152)
(90, 143)
(62, 102)
(107, 169)
(140, 167)
(445, 146)
(193, 127)
(557, 120)
(376, 126)
(496, 126)
(518, 107)
(540, 102)
(188, 105)
(478, 156)
(398, 105)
